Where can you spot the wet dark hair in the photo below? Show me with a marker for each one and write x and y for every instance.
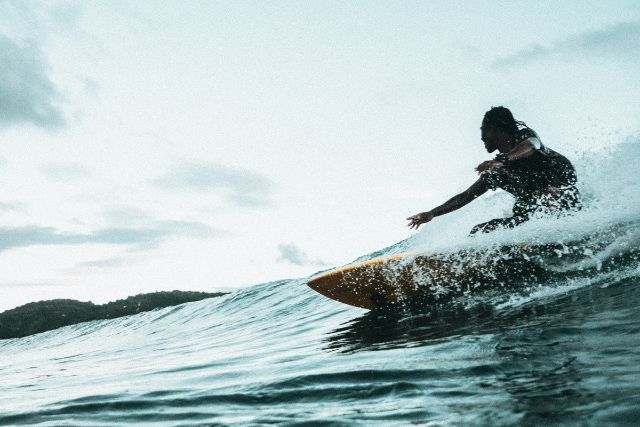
(502, 118)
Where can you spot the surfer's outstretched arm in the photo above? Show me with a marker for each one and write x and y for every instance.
(477, 189)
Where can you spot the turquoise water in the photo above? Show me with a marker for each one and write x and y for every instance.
(278, 353)
(565, 350)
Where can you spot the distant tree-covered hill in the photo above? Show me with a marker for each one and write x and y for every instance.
(41, 316)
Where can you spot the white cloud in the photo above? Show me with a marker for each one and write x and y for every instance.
(620, 41)
(27, 93)
(137, 237)
(66, 171)
(112, 262)
(291, 253)
(243, 188)
(12, 207)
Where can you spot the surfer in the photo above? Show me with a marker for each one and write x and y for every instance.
(541, 180)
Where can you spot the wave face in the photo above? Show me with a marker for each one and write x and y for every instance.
(565, 350)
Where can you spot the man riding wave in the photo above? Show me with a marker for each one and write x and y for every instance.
(540, 179)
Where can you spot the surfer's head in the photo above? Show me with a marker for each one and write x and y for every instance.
(498, 128)
(501, 118)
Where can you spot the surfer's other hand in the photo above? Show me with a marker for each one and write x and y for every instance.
(421, 218)
(489, 165)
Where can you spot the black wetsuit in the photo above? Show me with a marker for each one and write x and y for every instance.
(543, 182)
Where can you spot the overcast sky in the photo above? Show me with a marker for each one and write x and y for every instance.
(202, 145)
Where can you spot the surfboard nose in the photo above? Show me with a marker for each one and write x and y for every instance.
(360, 285)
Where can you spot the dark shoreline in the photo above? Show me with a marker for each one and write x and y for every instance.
(41, 316)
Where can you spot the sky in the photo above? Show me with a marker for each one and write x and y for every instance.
(210, 145)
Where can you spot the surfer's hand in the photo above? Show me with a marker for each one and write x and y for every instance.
(421, 218)
(489, 165)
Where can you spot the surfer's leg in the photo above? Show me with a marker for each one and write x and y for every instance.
(495, 224)
(571, 199)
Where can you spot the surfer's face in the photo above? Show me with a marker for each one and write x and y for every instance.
(489, 138)
(495, 139)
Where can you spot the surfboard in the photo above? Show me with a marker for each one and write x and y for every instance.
(403, 278)
(433, 277)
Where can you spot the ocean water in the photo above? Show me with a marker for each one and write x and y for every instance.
(565, 350)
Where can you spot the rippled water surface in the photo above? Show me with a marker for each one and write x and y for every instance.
(279, 353)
